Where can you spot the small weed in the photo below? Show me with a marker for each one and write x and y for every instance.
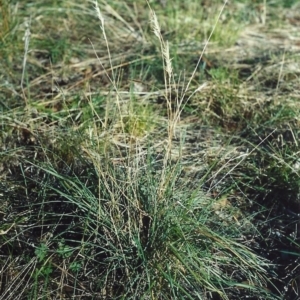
(41, 252)
(63, 250)
(75, 266)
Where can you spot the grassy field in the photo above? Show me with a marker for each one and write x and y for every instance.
(149, 150)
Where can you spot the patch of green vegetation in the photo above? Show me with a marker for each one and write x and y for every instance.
(139, 120)
(58, 48)
(226, 33)
(284, 3)
(224, 75)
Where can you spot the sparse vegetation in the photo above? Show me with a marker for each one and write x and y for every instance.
(149, 150)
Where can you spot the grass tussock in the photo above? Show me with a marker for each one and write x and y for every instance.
(143, 156)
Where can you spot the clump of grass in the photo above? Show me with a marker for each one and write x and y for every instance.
(143, 241)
